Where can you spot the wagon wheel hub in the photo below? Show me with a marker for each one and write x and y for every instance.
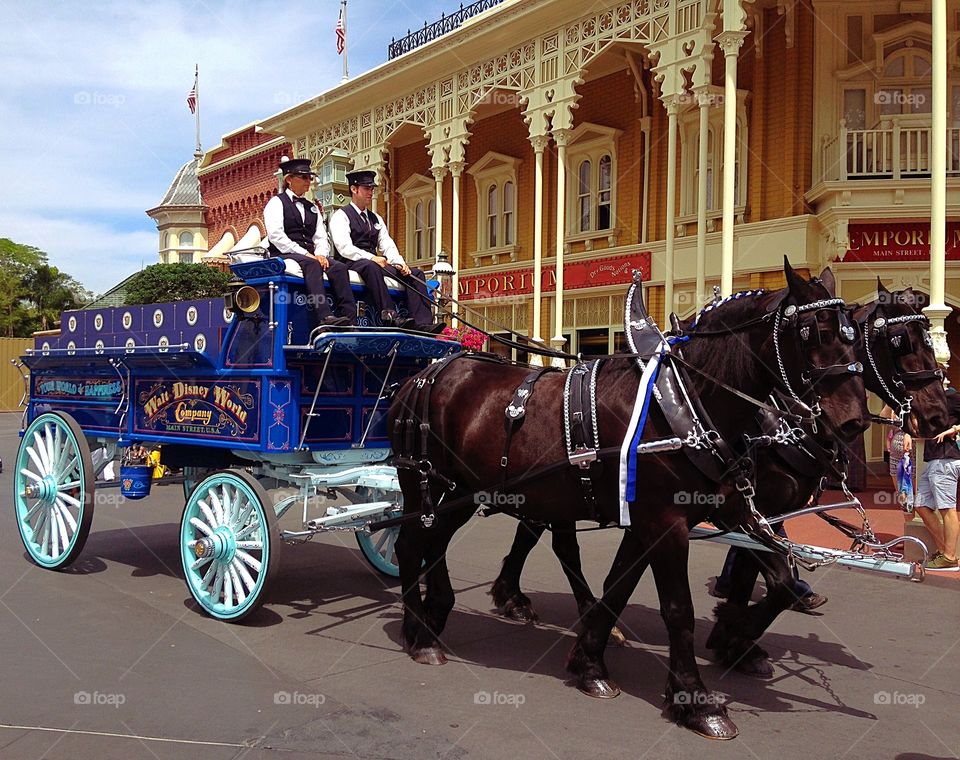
(220, 546)
(45, 490)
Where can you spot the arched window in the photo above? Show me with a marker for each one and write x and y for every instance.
(431, 229)
(508, 202)
(492, 217)
(186, 239)
(583, 196)
(604, 206)
(418, 230)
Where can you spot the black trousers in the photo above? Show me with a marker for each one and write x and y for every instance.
(372, 273)
(339, 277)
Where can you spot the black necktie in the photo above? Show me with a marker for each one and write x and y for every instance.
(368, 219)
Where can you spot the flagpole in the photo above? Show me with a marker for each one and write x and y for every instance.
(196, 86)
(343, 13)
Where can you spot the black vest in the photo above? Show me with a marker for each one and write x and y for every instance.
(300, 231)
(362, 236)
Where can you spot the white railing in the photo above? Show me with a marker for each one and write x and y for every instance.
(894, 152)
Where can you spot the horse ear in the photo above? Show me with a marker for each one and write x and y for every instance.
(881, 290)
(829, 281)
(909, 297)
(796, 284)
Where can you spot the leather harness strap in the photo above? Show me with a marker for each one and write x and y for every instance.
(516, 411)
(582, 433)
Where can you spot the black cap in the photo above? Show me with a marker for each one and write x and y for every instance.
(297, 166)
(362, 179)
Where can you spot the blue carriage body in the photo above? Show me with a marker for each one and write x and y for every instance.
(194, 373)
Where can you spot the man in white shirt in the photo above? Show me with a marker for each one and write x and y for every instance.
(295, 230)
(360, 237)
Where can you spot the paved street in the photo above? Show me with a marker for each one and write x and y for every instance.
(110, 659)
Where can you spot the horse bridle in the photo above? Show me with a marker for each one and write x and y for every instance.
(804, 319)
(899, 344)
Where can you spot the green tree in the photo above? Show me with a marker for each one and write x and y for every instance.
(160, 283)
(33, 293)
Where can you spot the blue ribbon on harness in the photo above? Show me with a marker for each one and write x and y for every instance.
(631, 489)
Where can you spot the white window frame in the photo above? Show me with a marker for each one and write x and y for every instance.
(419, 189)
(491, 174)
(591, 142)
(689, 134)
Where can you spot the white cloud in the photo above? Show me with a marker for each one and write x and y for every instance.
(96, 255)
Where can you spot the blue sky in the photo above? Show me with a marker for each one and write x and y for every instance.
(93, 115)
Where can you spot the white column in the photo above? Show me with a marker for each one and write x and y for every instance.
(938, 310)
(438, 174)
(562, 137)
(645, 123)
(456, 171)
(700, 293)
(539, 142)
(730, 42)
(671, 211)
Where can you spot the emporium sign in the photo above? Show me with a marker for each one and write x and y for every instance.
(903, 241)
(198, 408)
(596, 273)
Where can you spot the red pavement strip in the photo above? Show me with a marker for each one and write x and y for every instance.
(887, 521)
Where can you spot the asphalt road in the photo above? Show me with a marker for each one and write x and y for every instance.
(110, 659)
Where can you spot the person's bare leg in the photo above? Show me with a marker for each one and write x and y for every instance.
(934, 527)
(951, 529)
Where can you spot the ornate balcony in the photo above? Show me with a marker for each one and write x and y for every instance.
(890, 151)
(437, 29)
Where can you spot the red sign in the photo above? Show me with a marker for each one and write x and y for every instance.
(596, 273)
(904, 241)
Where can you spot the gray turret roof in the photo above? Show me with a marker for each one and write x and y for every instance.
(185, 188)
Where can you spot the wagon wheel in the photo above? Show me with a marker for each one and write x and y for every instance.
(379, 548)
(53, 490)
(229, 544)
(192, 476)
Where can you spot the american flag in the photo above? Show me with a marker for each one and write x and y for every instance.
(341, 34)
(192, 98)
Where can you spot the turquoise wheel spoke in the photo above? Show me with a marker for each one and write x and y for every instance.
(229, 542)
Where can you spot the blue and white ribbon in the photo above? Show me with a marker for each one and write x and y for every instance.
(628, 451)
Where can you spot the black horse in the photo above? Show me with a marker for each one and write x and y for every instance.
(754, 345)
(900, 368)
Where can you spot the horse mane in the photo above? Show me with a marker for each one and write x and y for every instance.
(726, 357)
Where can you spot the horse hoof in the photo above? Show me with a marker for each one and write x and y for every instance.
(520, 612)
(599, 688)
(755, 667)
(617, 639)
(521, 615)
(430, 656)
(712, 726)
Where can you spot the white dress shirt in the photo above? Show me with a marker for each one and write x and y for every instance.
(340, 230)
(273, 221)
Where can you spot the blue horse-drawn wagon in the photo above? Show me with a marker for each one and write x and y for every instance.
(258, 413)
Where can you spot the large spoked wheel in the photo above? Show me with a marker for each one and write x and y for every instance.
(191, 477)
(379, 548)
(229, 543)
(53, 490)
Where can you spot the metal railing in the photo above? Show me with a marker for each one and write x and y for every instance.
(437, 29)
(893, 152)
